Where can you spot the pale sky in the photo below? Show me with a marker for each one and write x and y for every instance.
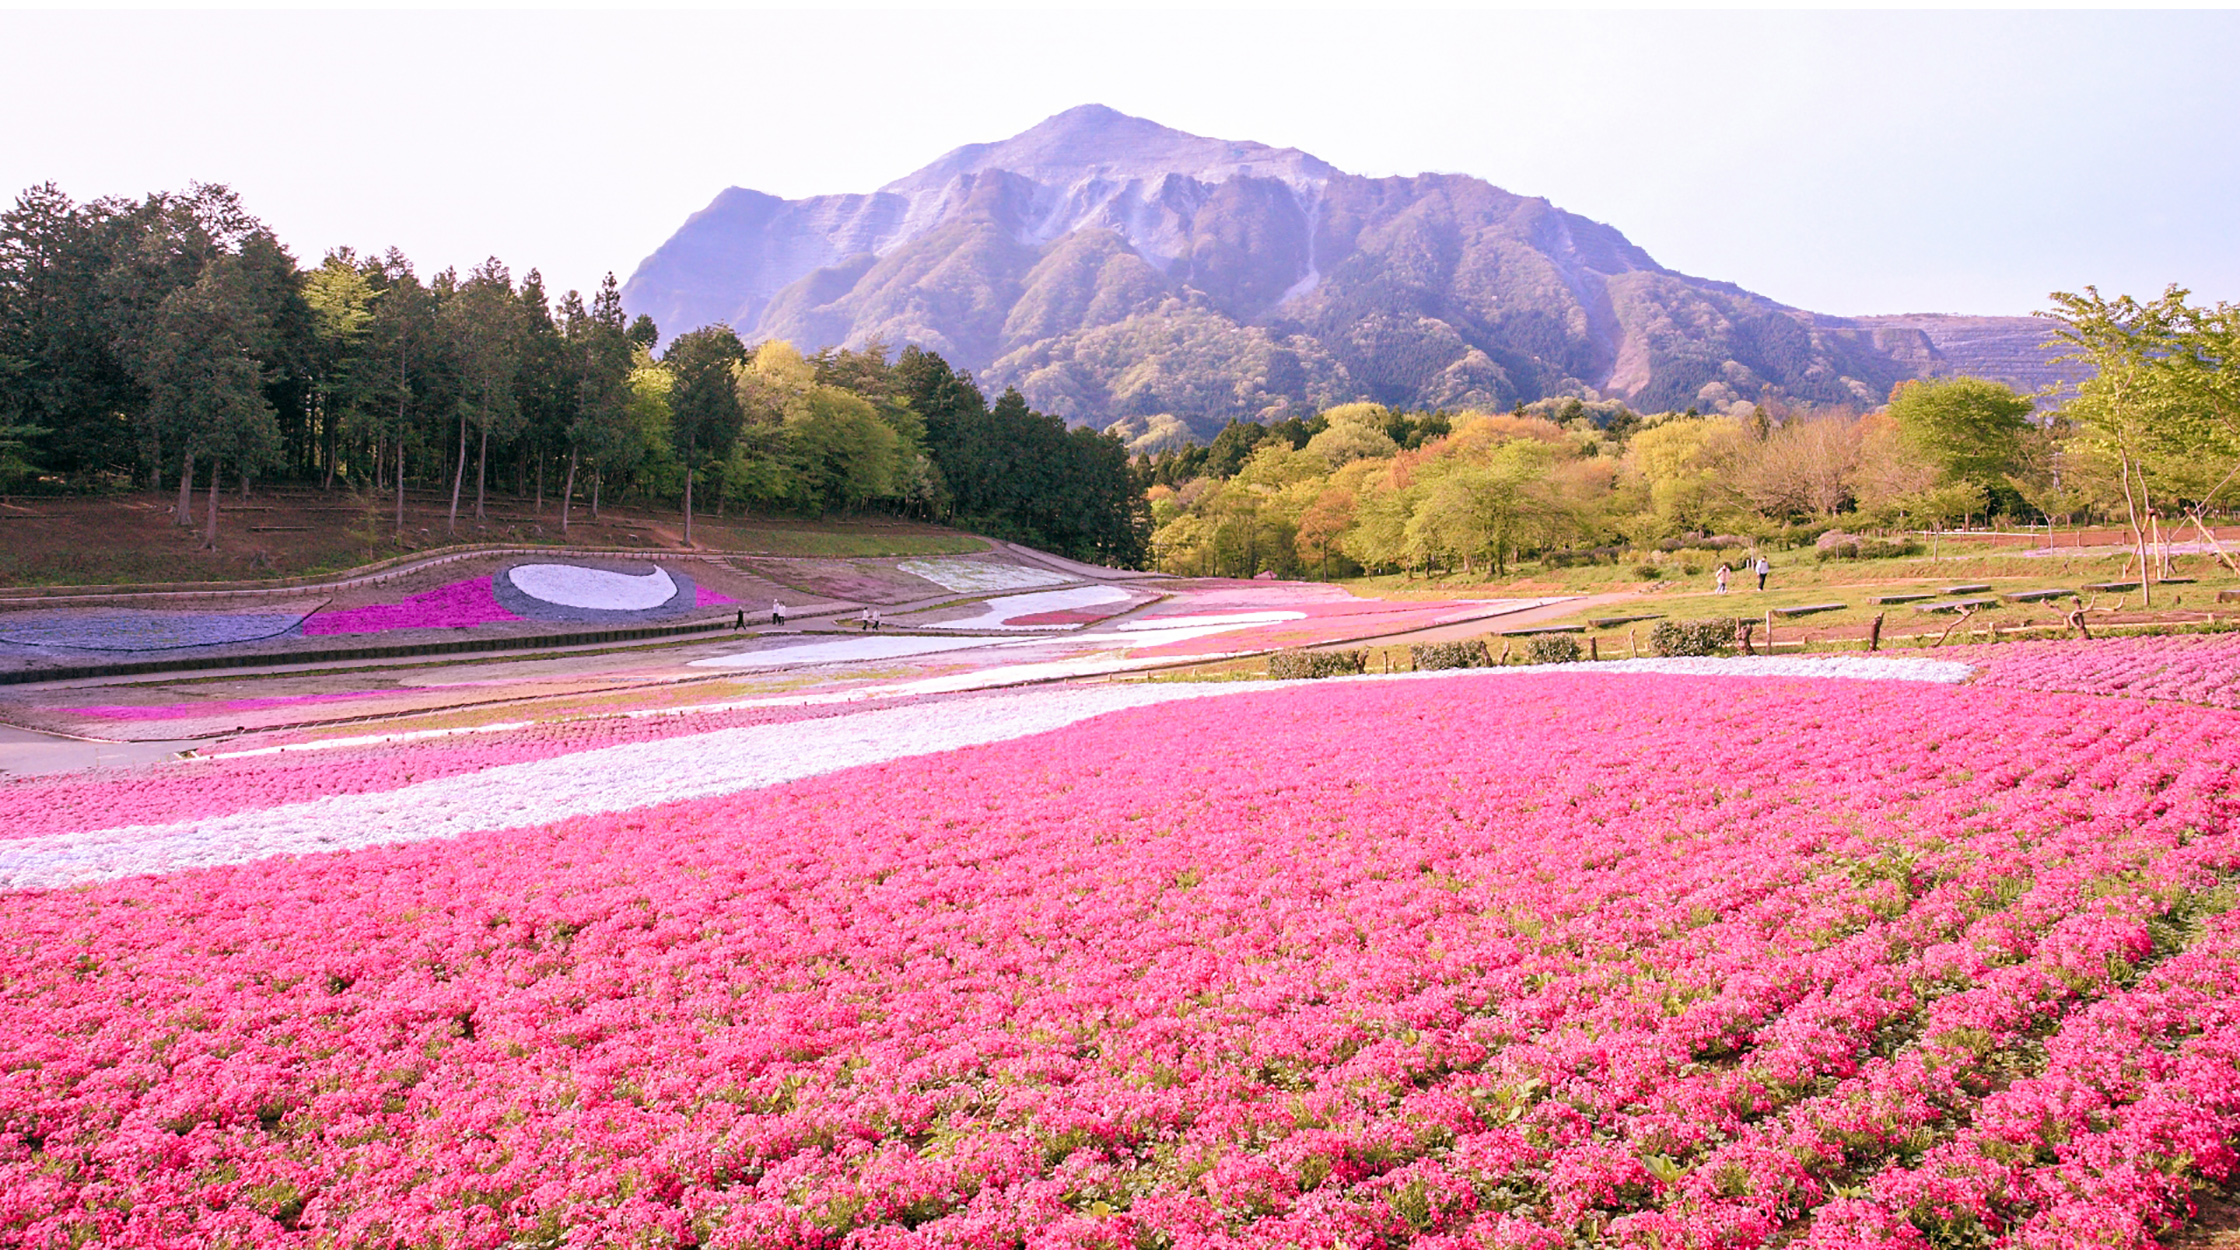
(1845, 162)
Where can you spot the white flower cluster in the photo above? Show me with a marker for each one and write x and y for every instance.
(974, 576)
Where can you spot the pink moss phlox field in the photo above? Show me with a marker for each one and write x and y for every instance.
(184, 791)
(704, 597)
(1462, 962)
(2194, 668)
(453, 607)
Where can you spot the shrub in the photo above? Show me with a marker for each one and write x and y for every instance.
(1647, 572)
(1712, 636)
(1552, 649)
(1580, 556)
(1462, 654)
(1305, 664)
(1838, 545)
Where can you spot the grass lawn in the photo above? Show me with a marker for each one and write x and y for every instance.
(301, 533)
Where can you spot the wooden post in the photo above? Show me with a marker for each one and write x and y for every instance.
(1769, 632)
(1874, 634)
(1594, 648)
(1742, 629)
(1633, 650)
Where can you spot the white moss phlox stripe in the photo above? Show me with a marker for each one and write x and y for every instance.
(824, 651)
(602, 780)
(973, 576)
(1004, 607)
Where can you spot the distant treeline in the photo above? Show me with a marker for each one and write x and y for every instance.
(173, 341)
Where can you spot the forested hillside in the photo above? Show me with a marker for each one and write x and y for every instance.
(170, 342)
(2152, 439)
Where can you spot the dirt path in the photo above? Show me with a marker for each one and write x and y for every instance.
(28, 753)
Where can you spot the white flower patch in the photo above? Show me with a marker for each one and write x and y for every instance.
(573, 586)
(625, 776)
(973, 576)
(825, 651)
(1004, 607)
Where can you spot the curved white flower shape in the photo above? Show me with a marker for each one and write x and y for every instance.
(573, 586)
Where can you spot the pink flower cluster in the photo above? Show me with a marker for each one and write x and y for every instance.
(2194, 668)
(459, 605)
(706, 596)
(1461, 962)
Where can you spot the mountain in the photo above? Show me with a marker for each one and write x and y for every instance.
(1115, 269)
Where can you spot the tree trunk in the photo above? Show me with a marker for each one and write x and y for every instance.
(598, 483)
(185, 514)
(567, 492)
(540, 483)
(458, 474)
(244, 485)
(210, 541)
(326, 418)
(400, 487)
(2138, 534)
(481, 472)
(688, 497)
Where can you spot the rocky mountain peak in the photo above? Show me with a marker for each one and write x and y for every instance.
(1113, 268)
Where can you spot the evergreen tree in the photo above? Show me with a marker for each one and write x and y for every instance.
(704, 412)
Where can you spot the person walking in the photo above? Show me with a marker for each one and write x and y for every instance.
(1763, 568)
(1723, 572)
(777, 613)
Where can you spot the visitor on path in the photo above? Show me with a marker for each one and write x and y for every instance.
(1763, 568)
(876, 624)
(1723, 572)
(740, 623)
(777, 613)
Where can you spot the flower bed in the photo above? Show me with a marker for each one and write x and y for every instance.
(139, 630)
(1555, 959)
(453, 607)
(186, 791)
(2194, 668)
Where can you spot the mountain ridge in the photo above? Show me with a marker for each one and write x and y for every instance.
(1112, 268)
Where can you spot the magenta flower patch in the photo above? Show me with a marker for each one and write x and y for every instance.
(453, 607)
